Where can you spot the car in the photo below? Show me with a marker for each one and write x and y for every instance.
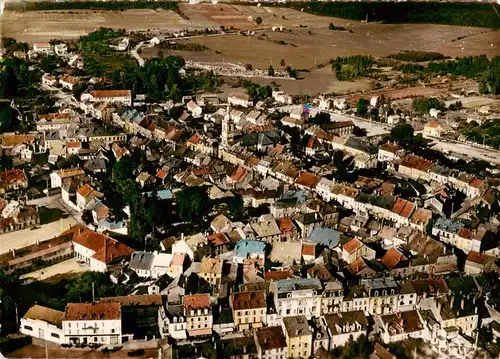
(94, 345)
(136, 353)
(110, 349)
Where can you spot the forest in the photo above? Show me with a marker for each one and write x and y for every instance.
(462, 14)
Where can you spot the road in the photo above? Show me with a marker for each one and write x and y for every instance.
(59, 94)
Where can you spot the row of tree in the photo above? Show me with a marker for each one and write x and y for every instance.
(100, 5)
(480, 68)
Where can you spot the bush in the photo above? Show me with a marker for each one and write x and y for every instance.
(349, 68)
(258, 20)
(270, 71)
(282, 62)
(362, 107)
(249, 67)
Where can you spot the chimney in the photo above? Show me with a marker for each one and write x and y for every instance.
(13, 251)
(462, 304)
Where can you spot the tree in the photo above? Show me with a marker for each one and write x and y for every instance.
(193, 203)
(123, 169)
(282, 62)
(270, 71)
(258, 20)
(321, 118)
(359, 132)
(235, 208)
(402, 133)
(9, 286)
(331, 26)
(8, 120)
(87, 216)
(249, 67)
(362, 107)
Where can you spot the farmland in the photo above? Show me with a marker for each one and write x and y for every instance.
(306, 43)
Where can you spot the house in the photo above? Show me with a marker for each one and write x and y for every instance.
(61, 49)
(58, 178)
(68, 82)
(332, 297)
(239, 99)
(412, 292)
(435, 128)
(13, 179)
(221, 224)
(301, 296)
(43, 323)
(478, 263)
(383, 295)
(172, 322)
(194, 109)
(96, 249)
(144, 179)
(400, 326)
(49, 79)
(152, 265)
(287, 253)
(249, 309)
(113, 96)
(42, 48)
(282, 98)
(84, 195)
(298, 336)
(96, 322)
(198, 313)
(247, 249)
(415, 167)
(271, 343)
(211, 270)
(355, 249)
(342, 325)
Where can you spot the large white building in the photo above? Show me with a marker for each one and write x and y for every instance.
(113, 96)
(294, 297)
(95, 322)
(43, 323)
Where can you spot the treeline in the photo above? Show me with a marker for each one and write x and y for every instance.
(99, 5)
(417, 56)
(194, 47)
(480, 68)
(349, 68)
(462, 14)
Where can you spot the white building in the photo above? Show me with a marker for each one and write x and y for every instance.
(239, 99)
(341, 326)
(57, 177)
(113, 96)
(95, 322)
(43, 323)
(151, 265)
(294, 297)
(198, 312)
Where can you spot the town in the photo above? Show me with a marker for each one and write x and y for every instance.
(154, 206)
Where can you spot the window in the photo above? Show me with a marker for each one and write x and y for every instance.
(95, 339)
(112, 331)
(27, 327)
(55, 335)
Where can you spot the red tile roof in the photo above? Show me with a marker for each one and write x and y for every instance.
(285, 224)
(353, 245)
(111, 93)
(479, 258)
(403, 208)
(194, 138)
(85, 190)
(278, 275)
(465, 233)
(391, 258)
(12, 175)
(217, 239)
(196, 301)
(162, 174)
(240, 174)
(307, 179)
(249, 300)
(137, 300)
(416, 162)
(308, 249)
(392, 147)
(93, 311)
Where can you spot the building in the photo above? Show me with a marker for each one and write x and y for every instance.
(198, 313)
(415, 167)
(249, 309)
(298, 336)
(400, 326)
(96, 249)
(84, 195)
(239, 99)
(58, 178)
(246, 249)
(332, 298)
(113, 96)
(294, 297)
(271, 343)
(68, 82)
(43, 323)
(383, 295)
(211, 270)
(95, 322)
(355, 249)
(12, 180)
(153, 265)
(341, 326)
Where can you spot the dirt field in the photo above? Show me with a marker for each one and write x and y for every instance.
(33, 351)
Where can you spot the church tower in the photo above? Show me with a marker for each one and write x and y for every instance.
(226, 128)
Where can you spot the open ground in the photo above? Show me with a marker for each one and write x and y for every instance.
(301, 48)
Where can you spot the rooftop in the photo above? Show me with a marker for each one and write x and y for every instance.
(249, 300)
(93, 311)
(296, 326)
